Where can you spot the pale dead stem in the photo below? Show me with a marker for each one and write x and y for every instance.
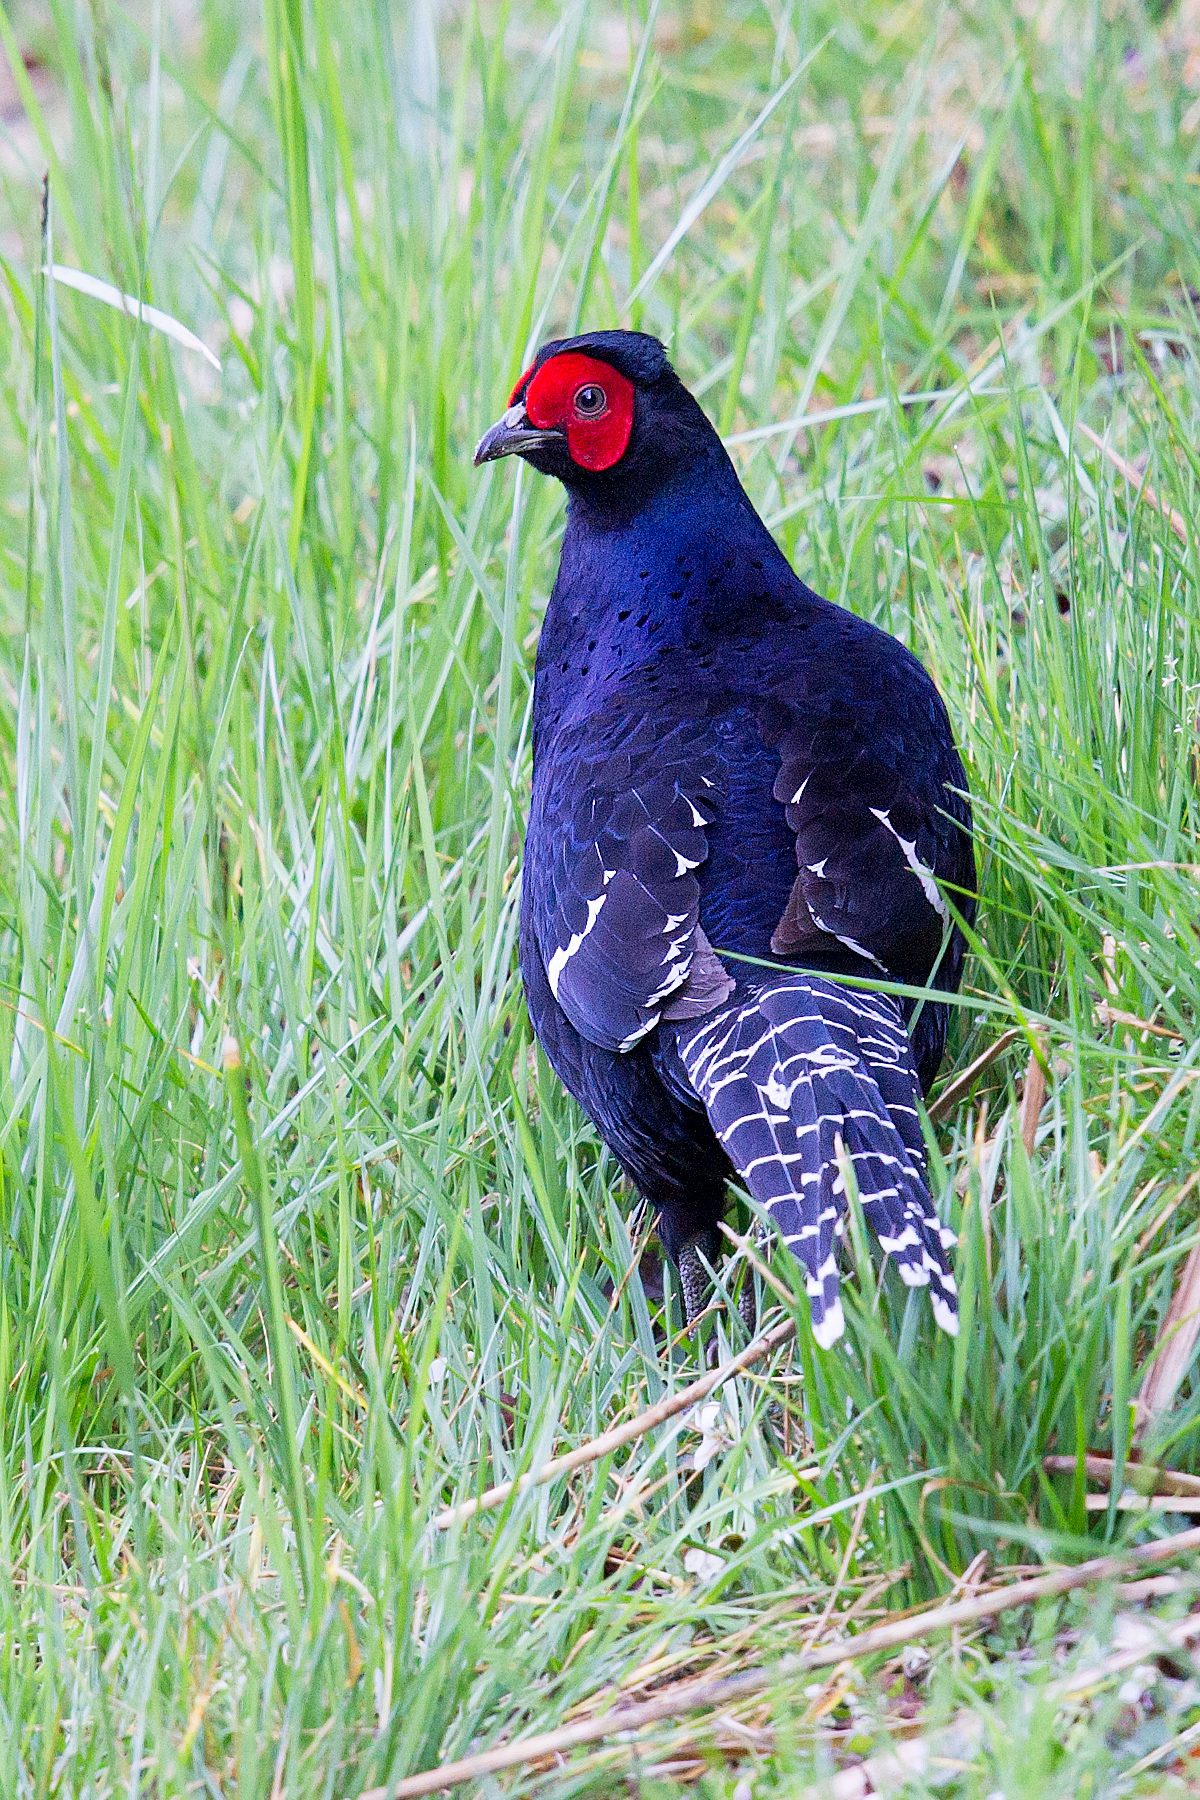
(1152, 1230)
(1144, 1478)
(620, 1435)
(1106, 1015)
(723, 1651)
(951, 1750)
(962, 1084)
(1137, 481)
(1033, 1093)
(1033, 1097)
(704, 1696)
(1172, 1354)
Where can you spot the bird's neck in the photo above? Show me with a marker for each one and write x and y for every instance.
(693, 565)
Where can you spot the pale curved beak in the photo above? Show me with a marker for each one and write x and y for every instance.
(511, 435)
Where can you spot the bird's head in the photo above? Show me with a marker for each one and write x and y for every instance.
(605, 413)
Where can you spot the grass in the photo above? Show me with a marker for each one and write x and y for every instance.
(266, 644)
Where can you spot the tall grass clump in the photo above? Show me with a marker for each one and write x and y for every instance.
(300, 1242)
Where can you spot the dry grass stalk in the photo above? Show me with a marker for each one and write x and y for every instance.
(698, 1696)
(1029, 1111)
(951, 1748)
(1173, 1352)
(1137, 481)
(1143, 1478)
(860, 1513)
(1127, 1502)
(1033, 1096)
(608, 1441)
(981, 1147)
(1156, 1587)
(1107, 1015)
(962, 1084)
(1152, 1230)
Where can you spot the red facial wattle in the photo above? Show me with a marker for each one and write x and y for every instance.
(562, 396)
(512, 398)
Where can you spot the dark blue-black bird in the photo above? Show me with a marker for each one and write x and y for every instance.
(727, 766)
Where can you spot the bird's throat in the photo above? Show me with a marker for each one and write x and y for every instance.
(681, 575)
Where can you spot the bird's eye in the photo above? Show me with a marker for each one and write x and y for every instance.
(590, 401)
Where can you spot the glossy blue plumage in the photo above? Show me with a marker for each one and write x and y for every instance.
(727, 766)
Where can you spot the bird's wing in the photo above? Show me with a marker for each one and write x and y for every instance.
(619, 818)
(880, 847)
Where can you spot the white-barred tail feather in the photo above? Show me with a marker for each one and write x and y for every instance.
(785, 1073)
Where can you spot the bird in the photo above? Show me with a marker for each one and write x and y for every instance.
(742, 795)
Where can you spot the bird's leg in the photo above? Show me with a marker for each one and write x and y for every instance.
(693, 1276)
(746, 1304)
(697, 1289)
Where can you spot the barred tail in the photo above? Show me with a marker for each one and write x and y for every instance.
(783, 1074)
